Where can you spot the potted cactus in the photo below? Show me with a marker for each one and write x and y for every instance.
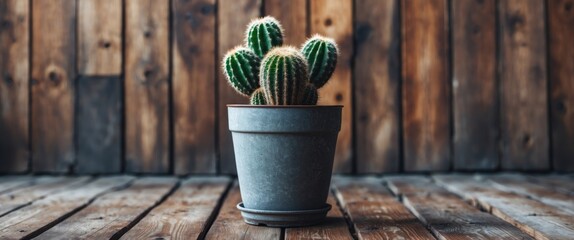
(284, 144)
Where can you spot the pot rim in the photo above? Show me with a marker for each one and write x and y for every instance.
(283, 106)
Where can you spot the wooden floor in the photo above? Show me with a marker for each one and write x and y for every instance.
(501, 206)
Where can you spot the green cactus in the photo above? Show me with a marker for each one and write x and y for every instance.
(264, 34)
(241, 67)
(310, 95)
(258, 97)
(321, 54)
(283, 76)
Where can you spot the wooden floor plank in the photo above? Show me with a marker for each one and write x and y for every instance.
(43, 187)
(185, 214)
(334, 227)
(533, 217)
(9, 183)
(447, 215)
(520, 185)
(230, 225)
(32, 219)
(375, 212)
(114, 211)
(561, 183)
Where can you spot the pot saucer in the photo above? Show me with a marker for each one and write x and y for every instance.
(283, 218)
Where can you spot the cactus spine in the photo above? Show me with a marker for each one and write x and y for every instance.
(258, 97)
(310, 95)
(321, 54)
(283, 76)
(264, 34)
(241, 68)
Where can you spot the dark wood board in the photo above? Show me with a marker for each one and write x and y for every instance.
(293, 17)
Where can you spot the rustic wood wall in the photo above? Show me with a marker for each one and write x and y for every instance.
(110, 86)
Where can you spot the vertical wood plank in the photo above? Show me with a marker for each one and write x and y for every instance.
(475, 92)
(334, 19)
(293, 17)
(99, 125)
(14, 73)
(146, 86)
(194, 86)
(425, 68)
(524, 122)
(233, 17)
(53, 77)
(100, 37)
(377, 77)
(561, 34)
(99, 113)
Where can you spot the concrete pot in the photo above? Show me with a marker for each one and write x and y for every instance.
(284, 157)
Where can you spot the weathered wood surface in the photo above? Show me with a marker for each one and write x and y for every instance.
(99, 125)
(425, 98)
(147, 86)
(99, 90)
(35, 218)
(293, 17)
(194, 87)
(52, 82)
(113, 212)
(521, 185)
(559, 183)
(560, 16)
(374, 211)
(185, 214)
(474, 85)
(9, 183)
(533, 217)
(447, 215)
(14, 85)
(377, 82)
(42, 187)
(334, 227)
(523, 75)
(334, 19)
(230, 225)
(232, 19)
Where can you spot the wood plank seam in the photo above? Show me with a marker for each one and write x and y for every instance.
(216, 210)
(346, 216)
(40, 230)
(125, 229)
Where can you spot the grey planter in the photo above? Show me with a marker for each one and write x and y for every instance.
(284, 157)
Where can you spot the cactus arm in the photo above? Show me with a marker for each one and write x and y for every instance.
(310, 95)
(258, 97)
(263, 34)
(321, 54)
(241, 67)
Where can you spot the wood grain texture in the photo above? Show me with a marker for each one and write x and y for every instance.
(524, 124)
(448, 216)
(10, 183)
(230, 225)
(374, 211)
(425, 71)
(194, 90)
(43, 186)
(293, 17)
(377, 85)
(232, 19)
(533, 217)
(14, 85)
(474, 85)
(53, 85)
(33, 219)
(185, 214)
(99, 37)
(334, 19)
(521, 185)
(99, 130)
(146, 86)
(561, 56)
(333, 227)
(560, 183)
(112, 212)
